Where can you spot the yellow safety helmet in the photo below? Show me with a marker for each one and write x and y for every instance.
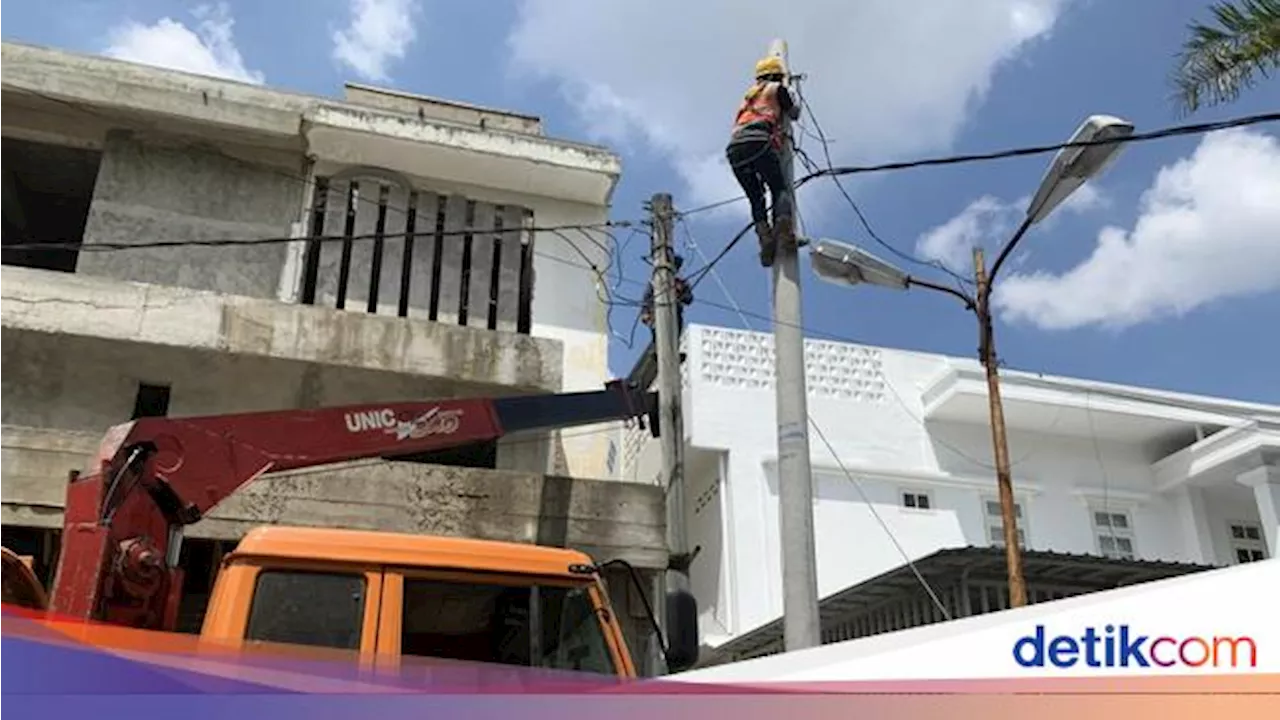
(771, 65)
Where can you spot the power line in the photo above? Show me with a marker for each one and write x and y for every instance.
(286, 239)
(734, 307)
(866, 225)
(1172, 131)
(604, 291)
(610, 300)
(709, 265)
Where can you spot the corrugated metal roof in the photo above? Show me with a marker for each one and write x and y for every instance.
(1083, 571)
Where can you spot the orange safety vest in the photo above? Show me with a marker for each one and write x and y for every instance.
(760, 104)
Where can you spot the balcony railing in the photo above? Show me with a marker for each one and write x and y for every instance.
(414, 253)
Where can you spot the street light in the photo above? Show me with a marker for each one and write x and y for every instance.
(847, 265)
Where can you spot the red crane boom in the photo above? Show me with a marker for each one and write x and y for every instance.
(153, 476)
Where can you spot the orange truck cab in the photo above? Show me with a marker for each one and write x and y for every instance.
(388, 596)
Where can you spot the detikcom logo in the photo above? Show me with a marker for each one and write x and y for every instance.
(1119, 646)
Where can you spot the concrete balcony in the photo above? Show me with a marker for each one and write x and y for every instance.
(86, 308)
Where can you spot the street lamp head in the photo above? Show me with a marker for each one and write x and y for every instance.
(1073, 166)
(844, 264)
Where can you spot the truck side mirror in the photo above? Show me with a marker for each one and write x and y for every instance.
(682, 631)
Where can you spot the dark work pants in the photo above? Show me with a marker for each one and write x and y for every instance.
(756, 165)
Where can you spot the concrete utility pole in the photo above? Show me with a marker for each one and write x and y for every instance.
(666, 341)
(999, 436)
(801, 628)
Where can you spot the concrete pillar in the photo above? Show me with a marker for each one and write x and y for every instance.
(1265, 482)
(1197, 538)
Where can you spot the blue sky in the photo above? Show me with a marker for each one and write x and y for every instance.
(1183, 295)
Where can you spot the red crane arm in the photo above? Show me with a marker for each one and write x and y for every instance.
(151, 477)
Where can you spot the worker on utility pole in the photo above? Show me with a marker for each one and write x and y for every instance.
(755, 148)
(684, 296)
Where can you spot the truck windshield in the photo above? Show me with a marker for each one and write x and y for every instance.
(544, 626)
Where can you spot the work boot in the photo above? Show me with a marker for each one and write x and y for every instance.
(768, 247)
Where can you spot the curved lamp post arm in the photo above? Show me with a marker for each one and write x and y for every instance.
(969, 302)
(1009, 246)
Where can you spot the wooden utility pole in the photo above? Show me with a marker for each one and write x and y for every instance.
(999, 438)
(666, 342)
(801, 627)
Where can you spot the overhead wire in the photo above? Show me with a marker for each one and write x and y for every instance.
(287, 239)
(862, 218)
(604, 290)
(835, 172)
(614, 299)
(1167, 132)
(611, 300)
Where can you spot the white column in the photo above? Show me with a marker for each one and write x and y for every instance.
(1265, 482)
(1196, 535)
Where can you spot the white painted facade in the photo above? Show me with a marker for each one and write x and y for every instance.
(1177, 475)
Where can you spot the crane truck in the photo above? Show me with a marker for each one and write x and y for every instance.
(379, 595)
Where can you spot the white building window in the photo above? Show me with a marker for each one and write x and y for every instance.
(1247, 544)
(995, 522)
(1114, 534)
(916, 500)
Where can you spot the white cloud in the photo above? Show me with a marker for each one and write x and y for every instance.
(886, 77)
(380, 31)
(1208, 230)
(210, 49)
(952, 242)
(989, 221)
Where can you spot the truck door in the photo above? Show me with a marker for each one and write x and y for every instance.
(491, 619)
(330, 611)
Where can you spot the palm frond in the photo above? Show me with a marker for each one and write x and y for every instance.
(1220, 61)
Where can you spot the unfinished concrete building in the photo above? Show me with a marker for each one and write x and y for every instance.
(100, 154)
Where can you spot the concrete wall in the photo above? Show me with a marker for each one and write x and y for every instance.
(868, 405)
(152, 188)
(86, 384)
(607, 520)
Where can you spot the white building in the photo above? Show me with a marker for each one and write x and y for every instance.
(1098, 470)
